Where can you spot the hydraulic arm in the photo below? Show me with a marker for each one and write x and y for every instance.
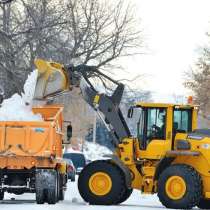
(54, 78)
(108, 105)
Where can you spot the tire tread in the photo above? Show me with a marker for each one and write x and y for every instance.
(194, 195)
(93, 167)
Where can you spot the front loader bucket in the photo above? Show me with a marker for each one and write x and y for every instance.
(52, 79)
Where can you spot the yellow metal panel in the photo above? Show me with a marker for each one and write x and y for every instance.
(207, 194)
(148, 171)
(127, 151)
(62, 167)
(52, 78)
(169, 125)
(182, 106)
(148, 178)
(154, 104)
(194, 119)
(136, 177)
(96, 99)
(156, 149)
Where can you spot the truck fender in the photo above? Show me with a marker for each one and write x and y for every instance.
(162, 165)
(116, 160)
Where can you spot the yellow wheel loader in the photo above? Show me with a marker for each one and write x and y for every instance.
(168, 156)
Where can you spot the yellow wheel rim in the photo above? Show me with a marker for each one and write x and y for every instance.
(100, 183)
(175, 187)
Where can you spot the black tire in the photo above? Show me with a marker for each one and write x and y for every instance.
(1, 196)
(40, 194)
(117, 178)
(62, 195)
(193, 184)
(52, 196)
(204, 204)
(52, 190)
(125, 196)
(20, 192)
(58, 186)
(40, 197)
(61, 192)
(73, 179)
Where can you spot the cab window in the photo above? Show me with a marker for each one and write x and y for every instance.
(151, 125)
(182, 122)
(156, 118)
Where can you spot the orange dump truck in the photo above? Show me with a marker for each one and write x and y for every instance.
(31, 156)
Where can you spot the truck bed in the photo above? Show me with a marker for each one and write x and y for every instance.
(25, 144)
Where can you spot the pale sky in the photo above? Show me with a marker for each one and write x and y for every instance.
(173, 30)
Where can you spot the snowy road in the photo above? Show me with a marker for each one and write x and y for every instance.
(74, 201)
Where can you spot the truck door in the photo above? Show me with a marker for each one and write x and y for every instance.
(182, 121)
(155, 132)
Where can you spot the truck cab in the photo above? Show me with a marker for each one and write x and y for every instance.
(158, 125)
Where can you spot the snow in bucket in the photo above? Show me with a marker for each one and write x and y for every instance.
(19, 107)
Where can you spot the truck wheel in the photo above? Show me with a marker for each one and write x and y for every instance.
(204, 204)
(52, 190)
(62, 195)
(39, 188)
(101, 183)
(52, 196)
(1, 196)
(40, 198)
(125, 196)
(58, 187)
(179, 187)
(61, 192)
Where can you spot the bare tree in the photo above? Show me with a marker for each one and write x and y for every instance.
(5, 1)
(26, 29)
(73, 31)
(198, 80)
(102, 31)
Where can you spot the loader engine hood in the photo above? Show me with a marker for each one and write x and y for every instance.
(199, 134)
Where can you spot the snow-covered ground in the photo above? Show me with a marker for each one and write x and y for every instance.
(73, 201)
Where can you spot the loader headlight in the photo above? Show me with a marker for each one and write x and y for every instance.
(205, 146)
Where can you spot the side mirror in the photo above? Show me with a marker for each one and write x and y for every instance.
(69, 134)
(130, 112)
(69, 131)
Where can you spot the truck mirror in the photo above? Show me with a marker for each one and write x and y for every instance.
(68, 134)
(130, 112)
(69, 131)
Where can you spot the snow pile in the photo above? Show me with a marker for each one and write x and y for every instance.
(95, 151)
(91, 151)
(19, 108)
(29, 87)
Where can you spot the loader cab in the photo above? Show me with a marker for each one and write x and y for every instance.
(158, 125)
